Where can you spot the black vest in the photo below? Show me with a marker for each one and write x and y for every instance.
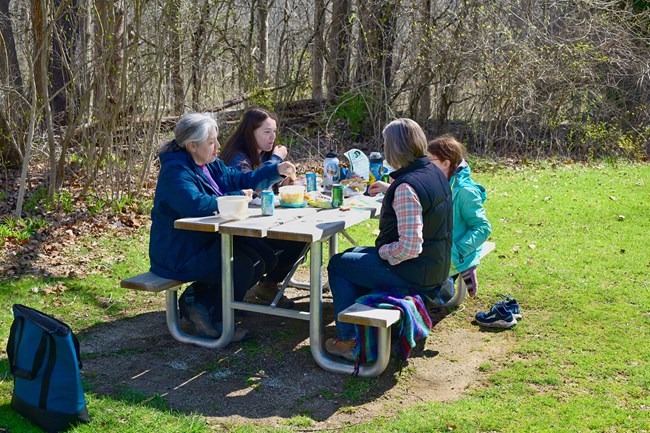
(431, 267)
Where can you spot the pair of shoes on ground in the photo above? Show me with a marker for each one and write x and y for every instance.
(264, 292)
(503, 314)
(342, 348)
(196, 319)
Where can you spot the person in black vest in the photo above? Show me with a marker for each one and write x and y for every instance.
(412, 253)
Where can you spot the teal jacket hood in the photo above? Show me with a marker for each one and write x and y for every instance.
(471, 226)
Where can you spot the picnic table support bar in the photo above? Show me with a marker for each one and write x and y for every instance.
(316, 325)
(228, 316)
(333, 249)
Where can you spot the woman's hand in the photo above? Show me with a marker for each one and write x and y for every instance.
(378, 187)
(287, 169)
(281, 151)
(248, 193)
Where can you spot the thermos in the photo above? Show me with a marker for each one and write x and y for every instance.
(330, 170)
(376, 167)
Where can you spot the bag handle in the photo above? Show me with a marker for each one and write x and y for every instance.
(75, 342)
(12, 339)
(13, 347)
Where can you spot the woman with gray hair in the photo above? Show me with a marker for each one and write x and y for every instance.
(412, 252)
(191, 178)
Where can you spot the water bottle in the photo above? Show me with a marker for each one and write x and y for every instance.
(330, 170)
(376, 168)
(386, 168)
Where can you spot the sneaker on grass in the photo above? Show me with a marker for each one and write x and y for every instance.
(513, 306)
(498, 317)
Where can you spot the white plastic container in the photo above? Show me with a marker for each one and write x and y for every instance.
(233, 206)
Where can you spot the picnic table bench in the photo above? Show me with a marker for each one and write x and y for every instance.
(384, 318)
(150, 282)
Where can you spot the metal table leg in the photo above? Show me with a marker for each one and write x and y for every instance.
(316, 325)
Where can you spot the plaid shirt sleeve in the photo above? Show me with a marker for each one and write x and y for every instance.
(409, 227)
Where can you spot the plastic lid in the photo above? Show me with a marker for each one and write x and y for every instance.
(375, 155)
(331, 154)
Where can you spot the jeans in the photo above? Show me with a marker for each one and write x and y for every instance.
(356, 272)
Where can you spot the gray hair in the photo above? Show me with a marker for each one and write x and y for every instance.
(404, 142)
(191, 127)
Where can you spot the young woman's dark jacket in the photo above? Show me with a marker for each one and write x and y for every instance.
(183, 191)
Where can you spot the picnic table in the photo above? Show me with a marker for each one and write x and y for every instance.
(312, 225)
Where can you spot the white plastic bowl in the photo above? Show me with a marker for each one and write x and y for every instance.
(233, 206)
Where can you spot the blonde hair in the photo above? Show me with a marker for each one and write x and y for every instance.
(404, 142)
(447, 148)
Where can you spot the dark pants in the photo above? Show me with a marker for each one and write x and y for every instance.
(253, 260)
(278, 256)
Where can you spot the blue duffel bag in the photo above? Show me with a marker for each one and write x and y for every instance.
(44, 360)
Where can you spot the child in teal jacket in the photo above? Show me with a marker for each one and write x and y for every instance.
(471, 226)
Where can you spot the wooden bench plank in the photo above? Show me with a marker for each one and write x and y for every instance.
(149, 282)
(361, 314)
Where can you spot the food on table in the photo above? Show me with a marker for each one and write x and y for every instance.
(317, 199)
(292, 194)
(356, 184)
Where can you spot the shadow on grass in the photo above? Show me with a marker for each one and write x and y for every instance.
(272, 375)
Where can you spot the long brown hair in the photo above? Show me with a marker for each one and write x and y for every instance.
(243, 139)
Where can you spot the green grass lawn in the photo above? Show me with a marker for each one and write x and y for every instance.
(571, 248)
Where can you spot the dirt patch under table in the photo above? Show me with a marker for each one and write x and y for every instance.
(272, 377)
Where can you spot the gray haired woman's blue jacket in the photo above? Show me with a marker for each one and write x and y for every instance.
(183, 191)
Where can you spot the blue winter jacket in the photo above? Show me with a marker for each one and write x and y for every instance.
(471, 226)
(183, 191)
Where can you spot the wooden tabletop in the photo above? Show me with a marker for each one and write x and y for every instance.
(319, 226)
(306, 224)
(256, 225)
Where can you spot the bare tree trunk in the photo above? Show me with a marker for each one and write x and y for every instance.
(172, 12)
(28, 147)
(339, 49)
(374, 70)
(318, 50)
(262, 39)
(420, 97)
(246, 72)
(106, 83)
(198, 41)
(8, 57)
(10, 76)
(42, 36)
(279, 72)
(64, 43)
